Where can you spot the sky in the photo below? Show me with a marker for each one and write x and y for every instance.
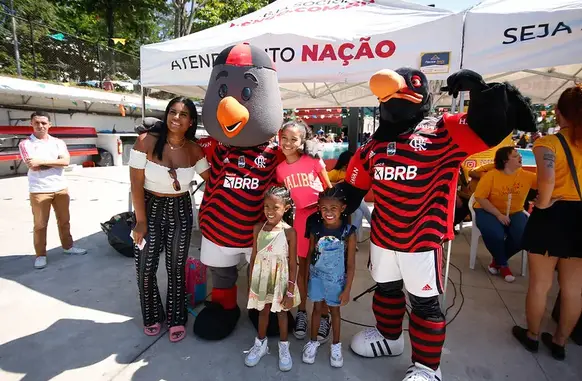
(453, 5)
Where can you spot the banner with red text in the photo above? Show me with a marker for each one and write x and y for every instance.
(332, 41)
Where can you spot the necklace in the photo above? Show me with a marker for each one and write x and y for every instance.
(175, 148)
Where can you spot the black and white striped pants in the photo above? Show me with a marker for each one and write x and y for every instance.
(169, 224)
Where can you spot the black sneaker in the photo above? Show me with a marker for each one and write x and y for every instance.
(521, 335)
(558, 352)
(324, 329)
(300, 330)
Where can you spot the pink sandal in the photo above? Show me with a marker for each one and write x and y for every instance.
(177, 333)
(152, 330)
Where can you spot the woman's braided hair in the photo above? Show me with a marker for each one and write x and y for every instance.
(284, 195)
(334, 193)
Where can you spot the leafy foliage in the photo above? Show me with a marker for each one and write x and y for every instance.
(71, 40)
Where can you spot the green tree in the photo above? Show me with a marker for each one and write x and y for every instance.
(216, 12)
(188, 16)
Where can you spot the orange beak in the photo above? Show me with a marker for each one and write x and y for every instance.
(232, 116)
(387, 84)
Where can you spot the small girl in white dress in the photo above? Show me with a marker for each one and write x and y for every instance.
(273, 269)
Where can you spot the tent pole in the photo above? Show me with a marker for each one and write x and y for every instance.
(353, 129)
(143, 103)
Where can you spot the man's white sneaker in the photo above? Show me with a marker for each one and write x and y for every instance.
(75, 251)
(255, 354)
(419, 372)
(285, 361)
(40, 262)
(310, 351)
(336, 358)
(371, 343)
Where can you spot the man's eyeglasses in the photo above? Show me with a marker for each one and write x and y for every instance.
(175, 182)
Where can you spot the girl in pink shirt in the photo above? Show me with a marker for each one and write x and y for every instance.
(304, 174)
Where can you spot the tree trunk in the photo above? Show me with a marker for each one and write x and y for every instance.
(177, 19)
(110, 25)
(188, 27)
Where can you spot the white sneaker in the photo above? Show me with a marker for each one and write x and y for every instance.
(371, 343)
(40, 262)
(285, 361)
(336, 358)
(310, 351)
(75, 251)
(419, 372)
(255, 354)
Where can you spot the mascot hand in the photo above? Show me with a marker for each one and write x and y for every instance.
(464, 80)
(148, 124)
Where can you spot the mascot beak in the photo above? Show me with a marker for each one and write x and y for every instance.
(232, 116)
(387, 84)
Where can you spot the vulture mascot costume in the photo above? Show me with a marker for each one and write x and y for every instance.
(242, 112)
(411, 164)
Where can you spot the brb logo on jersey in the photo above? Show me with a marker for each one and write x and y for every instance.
(400, 172)
(236, 182)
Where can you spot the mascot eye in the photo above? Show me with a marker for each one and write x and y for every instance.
(416, 81)
(222, 91)
(246, 93)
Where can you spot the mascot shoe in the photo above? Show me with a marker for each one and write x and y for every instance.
(371, 343)
(419, 372)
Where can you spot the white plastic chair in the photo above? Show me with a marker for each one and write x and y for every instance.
(475, 234)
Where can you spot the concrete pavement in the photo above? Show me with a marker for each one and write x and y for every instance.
(80, 319)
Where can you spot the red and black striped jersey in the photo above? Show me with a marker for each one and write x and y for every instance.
(233, 198)
(414, 181)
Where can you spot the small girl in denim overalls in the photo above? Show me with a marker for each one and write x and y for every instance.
(332, 249)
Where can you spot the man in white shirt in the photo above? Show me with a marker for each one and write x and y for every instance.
(46, 157)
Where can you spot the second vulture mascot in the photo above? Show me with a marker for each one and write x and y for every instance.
(411, 164)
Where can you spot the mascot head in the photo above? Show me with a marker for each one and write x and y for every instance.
(404, 98)
(242, 106)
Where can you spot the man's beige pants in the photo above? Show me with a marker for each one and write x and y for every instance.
(41, 211)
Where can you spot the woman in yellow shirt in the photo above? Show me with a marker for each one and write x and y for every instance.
(500, 196)
(553, 235)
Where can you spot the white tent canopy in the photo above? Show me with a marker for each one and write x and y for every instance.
(325, 51)
(534, 44)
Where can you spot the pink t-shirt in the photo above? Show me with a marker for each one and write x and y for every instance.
(302, 179)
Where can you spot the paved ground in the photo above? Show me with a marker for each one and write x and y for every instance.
(79, 319)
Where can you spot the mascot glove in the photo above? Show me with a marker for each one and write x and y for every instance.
(148, 124)
(464, 80)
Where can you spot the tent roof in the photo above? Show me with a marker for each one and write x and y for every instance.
(308, 42)
(537, 46)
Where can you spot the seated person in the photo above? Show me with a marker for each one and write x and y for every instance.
(500, 197)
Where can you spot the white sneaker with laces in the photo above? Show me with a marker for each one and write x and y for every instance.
(75, 251)
(336, 358)
(285, 361)
(255, 354)
(371, 343)
(310, 351)
(419, 372)
(40, 262)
